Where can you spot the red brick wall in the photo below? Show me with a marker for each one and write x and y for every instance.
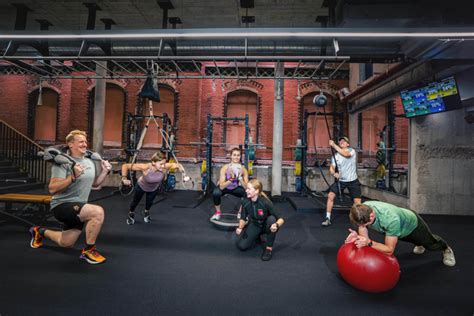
(14, 101)
(197, 98)
(188, 121)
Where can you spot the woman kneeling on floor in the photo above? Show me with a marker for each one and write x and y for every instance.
(149, 182)
(258, 217)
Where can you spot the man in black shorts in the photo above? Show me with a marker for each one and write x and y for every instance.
(346, 175)
(70, 186)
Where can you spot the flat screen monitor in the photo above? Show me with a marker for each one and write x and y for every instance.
(435, 97)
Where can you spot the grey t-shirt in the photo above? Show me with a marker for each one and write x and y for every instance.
(77, 191)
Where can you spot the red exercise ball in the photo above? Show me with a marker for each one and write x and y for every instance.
(367, 269)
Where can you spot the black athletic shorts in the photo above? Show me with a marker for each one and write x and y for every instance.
(68, 214)
(352, 186)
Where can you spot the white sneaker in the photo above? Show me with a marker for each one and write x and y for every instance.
(147, 219)
(418, 250)
(448, 257)
(216, 216)
(326, 222)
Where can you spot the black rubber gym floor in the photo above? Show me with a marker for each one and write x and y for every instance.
(181, 264)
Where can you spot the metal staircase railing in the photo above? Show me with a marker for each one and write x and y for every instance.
(22, 151)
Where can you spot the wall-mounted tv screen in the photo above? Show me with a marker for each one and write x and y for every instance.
(435, 97)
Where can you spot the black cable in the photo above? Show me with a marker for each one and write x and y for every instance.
(333, 155)
(314, 145)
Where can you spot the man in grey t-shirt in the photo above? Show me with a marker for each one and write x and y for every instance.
(345, 175)
(70, 185)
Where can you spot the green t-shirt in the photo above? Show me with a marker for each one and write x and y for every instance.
(392, 220)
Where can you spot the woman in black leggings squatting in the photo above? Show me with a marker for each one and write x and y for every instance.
(258, 217)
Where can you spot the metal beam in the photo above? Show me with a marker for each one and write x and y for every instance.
(184, 58)
(176, 66)
(164, 76)
(317, 68)
(138, 66)
(337, 68)
(197, 67)
(88, 68)
(296, 69)
(105, 68)
(121, 67)
(53, 69)
(258, 33)
(28, 70)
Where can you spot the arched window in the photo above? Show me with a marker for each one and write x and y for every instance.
(45, 120)
(153, 137)
(114, 111)
(239, 103)
(317, 133)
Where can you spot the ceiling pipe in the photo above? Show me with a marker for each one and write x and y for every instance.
(267, 33)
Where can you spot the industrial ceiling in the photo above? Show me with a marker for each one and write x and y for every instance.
(233, 38)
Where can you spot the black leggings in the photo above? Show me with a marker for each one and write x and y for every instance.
(137, 196)
(422, 236)
(253, 230)
(218, 193)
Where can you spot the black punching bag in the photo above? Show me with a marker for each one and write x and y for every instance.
(150, 89)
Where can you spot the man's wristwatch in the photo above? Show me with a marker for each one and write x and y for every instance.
(370, 244)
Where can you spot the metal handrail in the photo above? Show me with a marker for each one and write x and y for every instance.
(22, 151)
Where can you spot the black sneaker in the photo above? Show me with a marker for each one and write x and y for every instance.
(266, 255)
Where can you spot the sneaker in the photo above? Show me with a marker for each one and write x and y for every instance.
(448, 257)
(266, 255)
(92, 256)
(130, 220)
(418, 250)
(216, 216)
(147, 218)
(326, 222)
(36, 238)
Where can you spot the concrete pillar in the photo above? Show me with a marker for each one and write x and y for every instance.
(99, 108)
(277, 153)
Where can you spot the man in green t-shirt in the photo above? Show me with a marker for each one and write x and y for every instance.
(395, 223)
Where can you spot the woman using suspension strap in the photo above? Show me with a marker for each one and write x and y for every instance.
(149, 182)
(258, 217)
(233, 179)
